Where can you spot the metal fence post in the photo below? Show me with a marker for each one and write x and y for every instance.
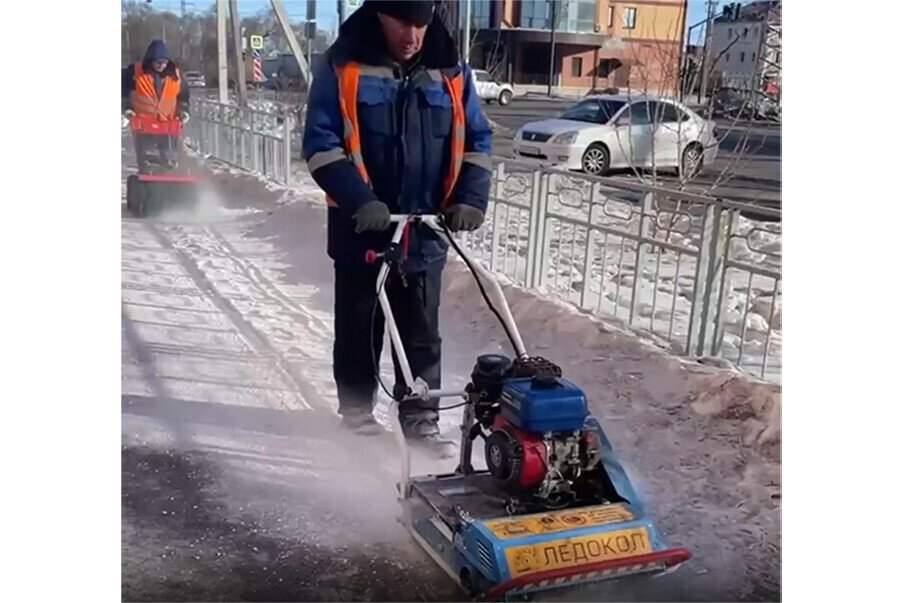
(287, 145)
(254, 143)
(216, 123)
(710, 245)
(639, 255)
(243, 130)
(718, 318)
(532, 256)
(542, 245)
(495, 235)
(201, 139)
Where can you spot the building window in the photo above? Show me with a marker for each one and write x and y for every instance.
(753, 57)
(755, 33)
(727, 57)
(611, 17)
(745, 32)
(629, 18)
(536, 14)
(481, 14)
(742, 57)
(576, 66)
(730, 33)
(574, 16)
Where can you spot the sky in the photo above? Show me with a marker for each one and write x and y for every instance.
(327, 9)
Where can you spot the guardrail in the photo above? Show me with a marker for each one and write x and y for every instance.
(255, 140)
(688, 271)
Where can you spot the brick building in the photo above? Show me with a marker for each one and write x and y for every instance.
(599, 43)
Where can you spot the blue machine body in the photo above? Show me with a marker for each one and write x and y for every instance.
(543, 406)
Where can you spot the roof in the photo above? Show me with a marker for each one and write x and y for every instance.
(751, 12)
(624, 98)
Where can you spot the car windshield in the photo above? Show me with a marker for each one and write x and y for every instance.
(594, 110)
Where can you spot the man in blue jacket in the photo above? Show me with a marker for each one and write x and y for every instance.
(393, 126)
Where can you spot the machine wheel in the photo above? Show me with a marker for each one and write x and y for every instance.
(138, 198)
(505, 97)
(130, 184)
(595, 160)
(467, 581)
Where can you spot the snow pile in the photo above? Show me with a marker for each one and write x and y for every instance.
(588, 346)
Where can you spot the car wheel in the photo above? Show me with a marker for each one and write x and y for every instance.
(595, 160)
(505, 97)
(691, 161)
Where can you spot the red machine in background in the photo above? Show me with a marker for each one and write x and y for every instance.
(164, 179)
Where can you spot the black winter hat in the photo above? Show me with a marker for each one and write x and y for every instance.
(418, 12)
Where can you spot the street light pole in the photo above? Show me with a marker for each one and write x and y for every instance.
(468, 31)
(552, 46)
(707, 51)
(222, 45)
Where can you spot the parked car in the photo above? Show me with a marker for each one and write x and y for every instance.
(195, 79)
(606, 132)
(489, 89)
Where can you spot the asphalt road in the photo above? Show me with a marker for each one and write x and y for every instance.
(747, 168)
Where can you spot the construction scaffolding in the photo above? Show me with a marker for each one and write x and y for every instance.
(767, 77)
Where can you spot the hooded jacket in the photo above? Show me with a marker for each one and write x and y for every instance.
(405, 118)
(155, 51)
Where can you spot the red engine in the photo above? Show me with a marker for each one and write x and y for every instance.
(515, 456)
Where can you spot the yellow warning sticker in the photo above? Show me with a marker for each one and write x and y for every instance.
(559, 521)
(581, 550)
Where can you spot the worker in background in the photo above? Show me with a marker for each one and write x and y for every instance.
(393, 126)
(154, 87)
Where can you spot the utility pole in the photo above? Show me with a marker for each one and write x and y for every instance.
(707, 50)
(552, 46)
(241, 83)
(310, 32)
(222, 51)
(340, 12)
(468, 31)
(181, 32)
(284, 22)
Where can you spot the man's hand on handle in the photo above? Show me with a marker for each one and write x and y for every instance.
(463, 217)
(374, 216)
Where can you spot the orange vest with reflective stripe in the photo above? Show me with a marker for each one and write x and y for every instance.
(144, 100)
(348, 89)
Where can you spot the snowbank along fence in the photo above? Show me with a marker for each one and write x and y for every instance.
(691, 272)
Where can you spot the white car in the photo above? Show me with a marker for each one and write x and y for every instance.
(606, 132)
(490, 89)
(195, 79)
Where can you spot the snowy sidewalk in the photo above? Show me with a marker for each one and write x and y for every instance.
(237, 483)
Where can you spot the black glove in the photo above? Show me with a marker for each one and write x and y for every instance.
(464, 217)
(374, 215)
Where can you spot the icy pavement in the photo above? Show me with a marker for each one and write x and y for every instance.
(239, 485)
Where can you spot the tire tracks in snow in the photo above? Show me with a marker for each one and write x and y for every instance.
(180, 241)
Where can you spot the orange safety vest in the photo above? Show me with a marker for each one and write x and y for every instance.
(348, 89)
(144, 100)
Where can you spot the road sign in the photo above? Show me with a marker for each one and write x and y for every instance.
(256, 42)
